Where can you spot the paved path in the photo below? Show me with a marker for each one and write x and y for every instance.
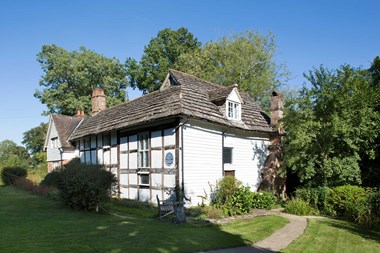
(278, 240)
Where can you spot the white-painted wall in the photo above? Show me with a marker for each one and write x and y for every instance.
(203, 158)
(248, 157)
(53, 154)
(202, 161)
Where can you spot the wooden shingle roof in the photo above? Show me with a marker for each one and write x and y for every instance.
(181, 95)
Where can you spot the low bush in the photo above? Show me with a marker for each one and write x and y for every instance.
(367, 211)
(263, 200)
(9, 174)
(298, 206)
(52, 179)
(315, 197)
(231, 197)
(224, 190)
(240, 202)
(85, 186)
(342, 200)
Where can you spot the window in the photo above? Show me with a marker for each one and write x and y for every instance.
(233, 110)
(144, 179)
(87, 143)
(143, 150)
(54, 142)
(56, 165)
(106, 140)
(227, 155)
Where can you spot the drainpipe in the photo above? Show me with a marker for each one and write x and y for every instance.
(223, 133)
(61, 153)
(182, 160)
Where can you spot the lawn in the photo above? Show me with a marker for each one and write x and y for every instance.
(30, 223)
(330, 235)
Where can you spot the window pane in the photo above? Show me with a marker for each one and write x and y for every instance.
(144, 179)
(141, 159)
(227, 155)
(146, 159)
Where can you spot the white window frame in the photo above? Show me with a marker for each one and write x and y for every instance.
(54, 142)
(144, 175)
(143, 150)
(233, 110)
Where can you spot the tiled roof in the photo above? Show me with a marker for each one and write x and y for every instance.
(181, 95)
(65, 125)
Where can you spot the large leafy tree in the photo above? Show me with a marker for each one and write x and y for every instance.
(330, 125)
(34, 138)
(12, 155)
(69, 78)
(244, 58)
(370, 165)
(160, 54)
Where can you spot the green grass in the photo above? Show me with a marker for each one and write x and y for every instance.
(330, 235)
(30, 223)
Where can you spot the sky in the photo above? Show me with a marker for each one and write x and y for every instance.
(308, 34)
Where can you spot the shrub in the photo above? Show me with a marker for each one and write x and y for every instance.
(367, 211)
(299, 207)
(9, 174)
(85, 186)
(342, 200)
(315, 197)
(231, 197)
(263, 200)
(224, 190)
(240, 202)
(52, 179)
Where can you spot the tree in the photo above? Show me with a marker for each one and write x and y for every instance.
(330, 125)
(12, 155)
(34, 138)
(69, 78)
(370, 166)
(245, 58)
(160, 54)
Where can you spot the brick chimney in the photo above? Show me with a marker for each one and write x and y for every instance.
(98, 100)
(276, 108)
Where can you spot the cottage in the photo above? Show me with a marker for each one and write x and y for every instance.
(190, 134)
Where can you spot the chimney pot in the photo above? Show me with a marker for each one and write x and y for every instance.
(98, 100)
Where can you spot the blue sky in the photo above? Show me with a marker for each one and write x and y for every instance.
(309, 33)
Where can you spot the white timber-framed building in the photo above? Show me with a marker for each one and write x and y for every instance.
(190, 133)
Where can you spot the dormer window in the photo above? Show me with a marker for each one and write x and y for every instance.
(233, 110)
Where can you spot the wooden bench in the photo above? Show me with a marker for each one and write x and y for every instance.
(164, 208)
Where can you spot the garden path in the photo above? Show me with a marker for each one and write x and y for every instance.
(279, 239)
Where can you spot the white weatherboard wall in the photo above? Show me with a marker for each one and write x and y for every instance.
(53, 153)
(248, 157)
(202, 161)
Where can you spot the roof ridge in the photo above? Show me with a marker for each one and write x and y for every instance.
(129, 101)
(187, 74)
